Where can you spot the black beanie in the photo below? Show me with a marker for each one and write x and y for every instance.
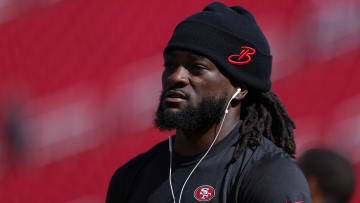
(231, 39)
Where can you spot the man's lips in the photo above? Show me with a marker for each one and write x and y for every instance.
(174, 100)
(175, 96)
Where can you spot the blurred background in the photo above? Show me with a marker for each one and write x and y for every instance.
(80, 81)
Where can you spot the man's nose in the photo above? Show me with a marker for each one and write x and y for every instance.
(179, 76)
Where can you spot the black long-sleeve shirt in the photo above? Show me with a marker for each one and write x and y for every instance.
(264, 174)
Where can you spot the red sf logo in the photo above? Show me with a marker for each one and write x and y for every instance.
(204, 193)
(243, 58)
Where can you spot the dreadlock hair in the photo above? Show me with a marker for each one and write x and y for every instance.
(263, 114)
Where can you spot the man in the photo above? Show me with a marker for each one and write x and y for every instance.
(330, 176)
(234, 140)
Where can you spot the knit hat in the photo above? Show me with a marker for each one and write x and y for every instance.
(231, 39)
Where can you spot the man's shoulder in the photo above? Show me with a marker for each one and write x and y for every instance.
(139, 161)
(276, 163)
(270, 159)
(273, 176)
(123, 179)
(268, 149)
(265, 158)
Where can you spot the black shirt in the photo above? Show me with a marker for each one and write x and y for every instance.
(260, 175)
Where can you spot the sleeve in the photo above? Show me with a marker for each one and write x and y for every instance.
(275, 179)
(120, 183)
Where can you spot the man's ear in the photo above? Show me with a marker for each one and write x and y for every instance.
(242, 94)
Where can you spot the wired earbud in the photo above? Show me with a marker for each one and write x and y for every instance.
(203, 157)
(238, 90)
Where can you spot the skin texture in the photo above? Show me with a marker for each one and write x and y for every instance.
(197, 77)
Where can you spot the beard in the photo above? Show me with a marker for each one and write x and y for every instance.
(191, 118)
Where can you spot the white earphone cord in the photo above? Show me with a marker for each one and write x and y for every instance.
(203, 157)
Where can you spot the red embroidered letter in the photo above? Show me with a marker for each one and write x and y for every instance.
(243, 58)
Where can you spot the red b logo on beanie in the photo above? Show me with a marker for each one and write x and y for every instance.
(243, 58)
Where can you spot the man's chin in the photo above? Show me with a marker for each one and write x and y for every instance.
(173, 110)
(168, 117)
(188, 118)
(174, 107)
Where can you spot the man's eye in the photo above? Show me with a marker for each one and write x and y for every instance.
(199, 67)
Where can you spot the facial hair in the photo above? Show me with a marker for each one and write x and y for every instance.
(191, 118)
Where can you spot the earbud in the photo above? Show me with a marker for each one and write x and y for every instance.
(236, 93)
(233, 97)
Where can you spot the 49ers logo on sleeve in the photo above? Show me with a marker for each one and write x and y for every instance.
(204, 193)
(244, 57)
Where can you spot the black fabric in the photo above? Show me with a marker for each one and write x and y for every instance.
(218, 32)
(261, 175)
